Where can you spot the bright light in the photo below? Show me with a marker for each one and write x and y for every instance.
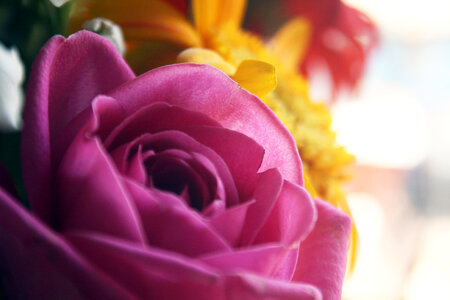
(385, 128)
(372, 278)
(430, 276)
(410, 19)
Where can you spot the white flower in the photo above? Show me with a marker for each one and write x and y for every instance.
(107, 29)
(11, 94)
(59, 3)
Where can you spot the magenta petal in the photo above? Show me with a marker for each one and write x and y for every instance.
(149, 273)
(261, 260)
(66, 76)
(90, 194)
(172, 225)
(122, 154)
(207, 90)
(85, 66)
(242, 155)
(323, 254)
(153, 118)
(38, 264)
(266, 193)
(104, 114)
(252, 287)
(172, 139)
(230, 223)
(136, 169)
(286, 268)
(291, 219)
(35, 147)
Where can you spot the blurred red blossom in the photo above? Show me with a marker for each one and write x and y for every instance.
(342, 38)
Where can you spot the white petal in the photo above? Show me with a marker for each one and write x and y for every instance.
(107, 29)
(59, 3)
(11, 94)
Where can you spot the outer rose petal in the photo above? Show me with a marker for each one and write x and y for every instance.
(38, 264)
(150, 273)
(90, 192)
(323, 254)
(292, 218)
(251, 287)
(65, 77)
(207, 90)
(262, 260)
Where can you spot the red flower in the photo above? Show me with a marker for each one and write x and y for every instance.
(342, 38)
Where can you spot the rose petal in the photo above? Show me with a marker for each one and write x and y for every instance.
(136, 169)
(85, 66)
(172, 139)
(207, 90)
(261, 260)
(266, 193)
(36, 159)
(172, 225)
(242, 155)
(38, 264)
(286, 269)
(251, 287)
(291, 219)
(104, 114)
(149, 273)
(153, 118)
(216, 207)
(323, 254)
(230, 223)
(173, 174)
(66, 76)
(90, 194)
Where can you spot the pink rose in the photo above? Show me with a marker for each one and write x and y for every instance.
(176, 184)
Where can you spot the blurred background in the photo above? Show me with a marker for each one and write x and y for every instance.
(397, 123)
(398, 126)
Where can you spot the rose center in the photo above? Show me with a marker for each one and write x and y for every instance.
(181, 174)
(179, 178)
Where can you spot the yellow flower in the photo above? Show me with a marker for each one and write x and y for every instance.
(216, 38)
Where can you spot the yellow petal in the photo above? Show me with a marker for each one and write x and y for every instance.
(290, 42)
(231, 12)
(205, 15)
(139, 20)
(205, 56)
(256, 76)
(211, 14)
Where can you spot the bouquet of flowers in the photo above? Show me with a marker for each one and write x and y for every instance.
(169, 157)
